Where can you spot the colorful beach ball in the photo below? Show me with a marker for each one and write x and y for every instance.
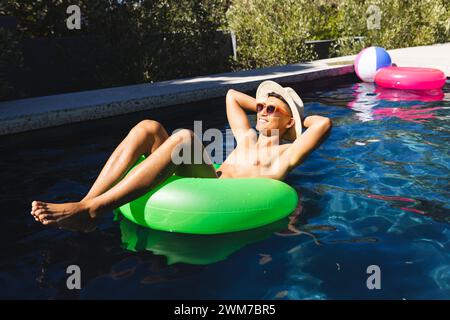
(369, 60)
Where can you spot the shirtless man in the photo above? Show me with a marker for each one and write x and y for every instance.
(279, 116)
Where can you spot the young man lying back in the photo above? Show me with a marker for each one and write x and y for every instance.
(257, 154)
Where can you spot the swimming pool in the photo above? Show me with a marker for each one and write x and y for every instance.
(375, 193)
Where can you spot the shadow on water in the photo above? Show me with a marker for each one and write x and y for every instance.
(102, 262)
(190, 248)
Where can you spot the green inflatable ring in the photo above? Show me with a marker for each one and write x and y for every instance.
(211, 206)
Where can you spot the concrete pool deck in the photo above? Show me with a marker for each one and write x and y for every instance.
(49, 111)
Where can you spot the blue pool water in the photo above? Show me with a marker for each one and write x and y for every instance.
(375, 193)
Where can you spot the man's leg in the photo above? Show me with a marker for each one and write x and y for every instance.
(148, 174)
(144, 138)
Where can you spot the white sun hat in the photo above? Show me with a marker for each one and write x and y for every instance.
(289, 95)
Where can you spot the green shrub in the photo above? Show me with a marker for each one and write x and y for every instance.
(127, 41)
(324, 18)
(271, 32)
(403, 23)
(186, 34)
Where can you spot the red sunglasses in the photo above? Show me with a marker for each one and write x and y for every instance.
(270, 109)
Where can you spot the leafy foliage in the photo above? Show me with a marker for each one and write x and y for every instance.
(270, 32)
(124, 42)
(402, 23)
(273, 32)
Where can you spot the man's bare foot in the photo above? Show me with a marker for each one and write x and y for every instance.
(74, 216)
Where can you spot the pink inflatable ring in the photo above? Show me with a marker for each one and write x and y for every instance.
(410, 78)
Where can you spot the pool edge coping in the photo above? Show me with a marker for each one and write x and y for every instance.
(20, 116)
